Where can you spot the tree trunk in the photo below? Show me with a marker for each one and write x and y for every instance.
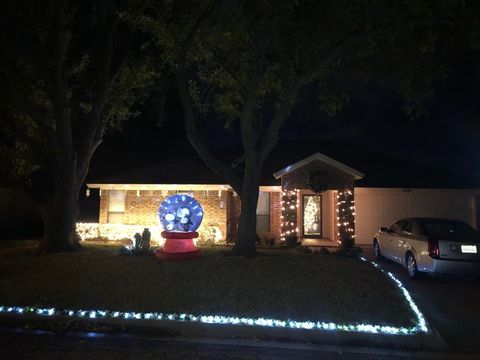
(61, 215)
(247, 226)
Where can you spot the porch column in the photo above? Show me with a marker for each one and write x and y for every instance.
(346, 217)
(289, 226)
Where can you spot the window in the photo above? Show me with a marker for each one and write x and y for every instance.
(450, 230)
(396, 228)
(263, 212)
(408, 227)
(116, 206)
(312, 215)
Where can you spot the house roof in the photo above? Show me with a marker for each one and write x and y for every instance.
(180, 170)
(321, 157)
(380, 170)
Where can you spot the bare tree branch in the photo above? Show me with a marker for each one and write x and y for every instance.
(247, 118)
(194, 137)
(344, 46)
(192, 133)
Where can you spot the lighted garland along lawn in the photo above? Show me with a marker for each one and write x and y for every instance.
(280, 284)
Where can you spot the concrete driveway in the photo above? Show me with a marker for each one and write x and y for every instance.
(451, 305)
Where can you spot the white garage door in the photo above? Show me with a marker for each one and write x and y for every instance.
(376, 207)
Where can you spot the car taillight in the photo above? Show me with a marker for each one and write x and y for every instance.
(433, 248)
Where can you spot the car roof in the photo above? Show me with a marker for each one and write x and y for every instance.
(430, 219)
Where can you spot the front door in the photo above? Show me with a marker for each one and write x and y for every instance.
(312, 216)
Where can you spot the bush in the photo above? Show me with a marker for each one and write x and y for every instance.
(206, 242)
(353, 252)
(304, 249)
(291, 241)
(324, 251)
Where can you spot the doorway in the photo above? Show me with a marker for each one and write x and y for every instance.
(312, 216)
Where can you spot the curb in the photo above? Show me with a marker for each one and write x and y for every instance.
(340, 349)
(226, 332)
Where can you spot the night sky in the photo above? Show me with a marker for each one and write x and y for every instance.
(448, 136)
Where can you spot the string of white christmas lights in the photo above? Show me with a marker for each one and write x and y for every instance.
(289, 204)
(421, 322)
(213, 319)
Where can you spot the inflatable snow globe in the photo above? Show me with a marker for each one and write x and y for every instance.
(180, 216)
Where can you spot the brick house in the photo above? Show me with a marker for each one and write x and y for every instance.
(317, 199)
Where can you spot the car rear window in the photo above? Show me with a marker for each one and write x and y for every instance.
(456, 231)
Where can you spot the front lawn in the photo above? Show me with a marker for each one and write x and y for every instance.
(278, 284)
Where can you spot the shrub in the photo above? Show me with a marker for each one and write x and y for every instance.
(324, 251)
(353, 252)
(291, 241)
(304, 249)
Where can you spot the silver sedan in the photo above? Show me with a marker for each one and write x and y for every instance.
(430, 245)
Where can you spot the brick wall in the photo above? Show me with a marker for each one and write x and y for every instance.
(103, 213)
(337, 179)
(142, 210)
(275, 214)
(234, 207)
(215, 209)
(336, 235)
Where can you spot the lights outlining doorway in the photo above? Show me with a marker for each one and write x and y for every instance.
(289, 204)
(345, 213)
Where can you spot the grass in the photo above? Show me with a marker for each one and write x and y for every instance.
(278, 284)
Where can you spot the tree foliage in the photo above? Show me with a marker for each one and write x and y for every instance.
(246, 63)
(75, 68)
(70, 71)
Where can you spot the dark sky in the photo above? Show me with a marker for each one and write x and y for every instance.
(373, 120)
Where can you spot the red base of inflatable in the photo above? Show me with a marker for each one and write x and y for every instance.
(191, 255)
(178, 246)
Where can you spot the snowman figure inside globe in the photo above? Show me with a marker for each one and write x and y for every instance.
(180, 215)
(183, 216)
(180, 212)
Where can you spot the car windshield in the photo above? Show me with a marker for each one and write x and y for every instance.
(451, 231)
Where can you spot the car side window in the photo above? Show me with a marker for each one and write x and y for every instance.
(408, 227)
(396, 227)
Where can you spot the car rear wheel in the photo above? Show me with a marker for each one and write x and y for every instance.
(376, 250)
(412, 268)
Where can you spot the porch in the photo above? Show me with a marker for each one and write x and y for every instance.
(318, 206)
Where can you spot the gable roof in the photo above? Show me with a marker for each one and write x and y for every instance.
(380, 169)
(179, 170)
(357, 175)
